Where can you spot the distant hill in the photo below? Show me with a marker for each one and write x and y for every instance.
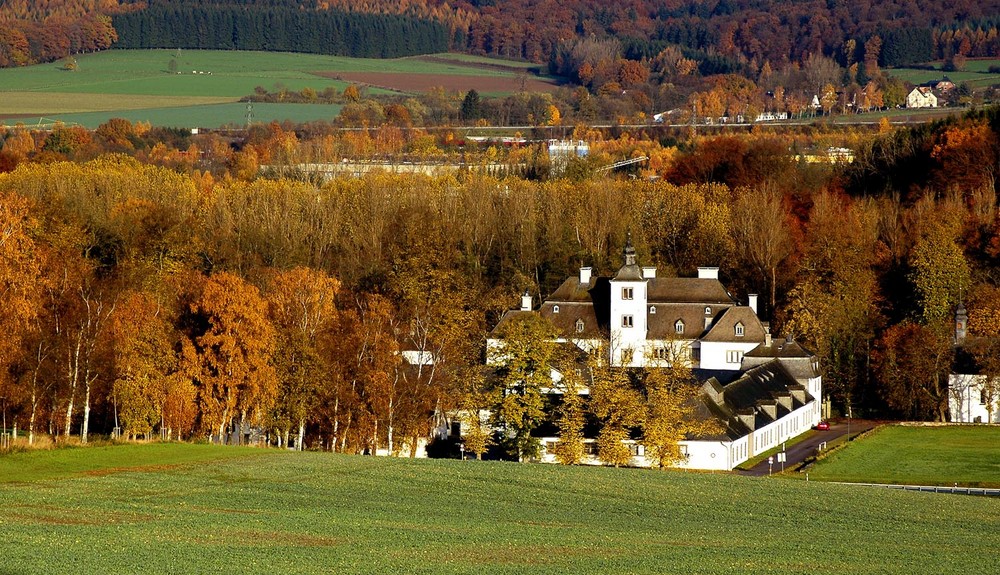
(731, 35)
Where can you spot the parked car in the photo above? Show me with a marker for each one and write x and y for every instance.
(822, 426)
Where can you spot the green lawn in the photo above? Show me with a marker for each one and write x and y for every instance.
(215, 73)
(283, 512)
(967, 455)
(200, 116)
(976, 73)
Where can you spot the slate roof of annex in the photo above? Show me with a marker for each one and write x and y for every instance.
(763, 384)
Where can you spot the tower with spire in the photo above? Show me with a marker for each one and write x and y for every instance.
(628, 321)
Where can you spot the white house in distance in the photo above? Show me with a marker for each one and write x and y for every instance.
(921, 97)
(762, 392)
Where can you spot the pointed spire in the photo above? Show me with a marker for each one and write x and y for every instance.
(630, 269)
(629, 251)
(961, 323)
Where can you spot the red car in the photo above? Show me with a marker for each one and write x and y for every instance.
(822, 426)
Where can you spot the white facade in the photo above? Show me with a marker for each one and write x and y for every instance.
(921, 97)
(970, 401)
(628, 322)
(710, 455)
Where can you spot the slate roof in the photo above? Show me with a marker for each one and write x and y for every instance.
(506, 320)
(566, 319)
(662, 323)
(760, 396)
(799, 361)
(724, 329)
(688, 290)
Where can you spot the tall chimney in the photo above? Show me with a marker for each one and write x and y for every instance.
(585, 276)
(708, 273)
(752, 302)
(526, 302)
(648, 272)
(767, 337)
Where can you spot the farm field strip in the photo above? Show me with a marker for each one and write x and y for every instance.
(66, 102)
(200, 116)
(322, 513)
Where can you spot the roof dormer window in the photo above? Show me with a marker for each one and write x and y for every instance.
(679, 327)
(652, 310)
(555, 309)
(739, 329)
(579, 326)
(708, 310)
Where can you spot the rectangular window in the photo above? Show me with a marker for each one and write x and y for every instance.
(661, 353)
(626, 293)
(626, 321)
(734, 356)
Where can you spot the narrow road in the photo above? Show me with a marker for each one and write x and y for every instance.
(798, 453)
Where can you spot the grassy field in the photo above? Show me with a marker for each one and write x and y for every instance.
(976, 73)
(122, 81)
(289, 513)
(967, 455)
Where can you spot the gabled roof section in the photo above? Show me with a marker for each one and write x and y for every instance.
(574, 290)
(567, 317)
(781, 348)
(688, 290)
(760, 396)
(506, 320)
(799, 361)
(724, 328)
(662, 324)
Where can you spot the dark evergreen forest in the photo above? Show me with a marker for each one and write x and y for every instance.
(280, 29)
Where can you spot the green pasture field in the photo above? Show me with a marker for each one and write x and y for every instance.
(290, 513)
(200, 116)
(47, 464)
(967, 455)
(122, 81)
(976, 73)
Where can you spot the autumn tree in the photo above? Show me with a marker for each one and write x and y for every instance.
(616, 402)
(913, 362)
(572, 415)
(834, 306)
(940, 273)
(761, 233)
(672, 413)
(523, 361)
(439, 332)
(144, 359)
(238, 380)
(302, 306)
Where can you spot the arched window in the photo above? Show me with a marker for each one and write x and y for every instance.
(555, 309)
(739, 329)
(652, 310)
(679, 327)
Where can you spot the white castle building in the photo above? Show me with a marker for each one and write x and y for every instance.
(762, 391)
